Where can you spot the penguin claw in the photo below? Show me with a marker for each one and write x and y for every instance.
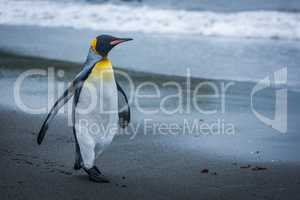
(95, 175)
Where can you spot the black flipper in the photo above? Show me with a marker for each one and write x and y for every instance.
(69, 92)
(124, 109)
(78, 159)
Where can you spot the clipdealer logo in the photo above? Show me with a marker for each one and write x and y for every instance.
(279, 82)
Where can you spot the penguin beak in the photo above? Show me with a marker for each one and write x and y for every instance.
(117, 41)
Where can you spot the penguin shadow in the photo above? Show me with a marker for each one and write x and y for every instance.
(85, 178)
(112, 181)
(82, 177)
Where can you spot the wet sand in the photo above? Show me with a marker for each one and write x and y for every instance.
(147, 167)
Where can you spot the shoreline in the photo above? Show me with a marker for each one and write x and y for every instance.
(139, 75)
(231, 58)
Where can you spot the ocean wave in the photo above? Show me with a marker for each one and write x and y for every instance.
(124, 18)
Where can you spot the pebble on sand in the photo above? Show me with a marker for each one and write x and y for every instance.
(257, 168)
(245, 167)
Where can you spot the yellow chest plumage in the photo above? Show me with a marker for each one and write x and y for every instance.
(102, 70)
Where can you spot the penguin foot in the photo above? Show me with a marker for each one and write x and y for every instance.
(95, 175)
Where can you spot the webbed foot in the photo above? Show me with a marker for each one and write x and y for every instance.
(95, 175)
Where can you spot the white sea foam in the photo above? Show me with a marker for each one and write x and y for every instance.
(124, 18)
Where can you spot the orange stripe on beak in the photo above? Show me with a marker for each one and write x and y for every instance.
(119, 40)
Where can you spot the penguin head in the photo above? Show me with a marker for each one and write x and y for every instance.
(104, 43)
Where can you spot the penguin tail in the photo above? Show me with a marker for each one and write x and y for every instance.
(77, 165)
(78, 160)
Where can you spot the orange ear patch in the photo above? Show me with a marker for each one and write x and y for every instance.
(94, 43)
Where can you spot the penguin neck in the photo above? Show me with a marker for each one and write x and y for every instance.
(92, 57)
(102, 69)
(103, 63)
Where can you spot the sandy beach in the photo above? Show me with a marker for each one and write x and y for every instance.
(149, 166)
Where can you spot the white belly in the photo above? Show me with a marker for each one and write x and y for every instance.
(96, 119)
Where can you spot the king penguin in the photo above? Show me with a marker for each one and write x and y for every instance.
(97, 93)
